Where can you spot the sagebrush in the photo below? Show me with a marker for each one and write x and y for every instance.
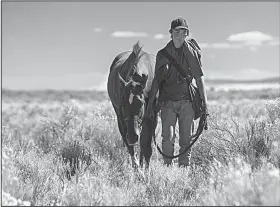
(235, 162)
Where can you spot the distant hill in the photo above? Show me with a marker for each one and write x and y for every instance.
(44, 96)
(232, 81)
(54, 95)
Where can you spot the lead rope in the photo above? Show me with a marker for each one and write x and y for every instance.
(202, 125)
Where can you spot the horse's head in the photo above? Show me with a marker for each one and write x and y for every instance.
(133, 105)
(134, 90)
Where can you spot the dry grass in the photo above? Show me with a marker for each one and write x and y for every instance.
(235, 162)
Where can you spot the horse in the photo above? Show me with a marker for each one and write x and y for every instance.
(129, 82)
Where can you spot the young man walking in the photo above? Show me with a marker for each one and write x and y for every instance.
(173, 91)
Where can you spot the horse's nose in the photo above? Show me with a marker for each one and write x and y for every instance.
(133, 132)
(132, 139)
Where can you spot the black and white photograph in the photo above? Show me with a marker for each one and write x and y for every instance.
(140, 103)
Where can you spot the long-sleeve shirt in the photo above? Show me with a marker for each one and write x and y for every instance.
(173, 85)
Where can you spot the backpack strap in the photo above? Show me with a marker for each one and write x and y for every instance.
(177, 65)
(196, 48)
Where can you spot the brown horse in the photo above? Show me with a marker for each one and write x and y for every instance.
(129, 82)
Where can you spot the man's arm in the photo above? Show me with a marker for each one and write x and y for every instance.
(154, 89)
(153, 93)
(155, 85)
(202, 91)
(196, 69)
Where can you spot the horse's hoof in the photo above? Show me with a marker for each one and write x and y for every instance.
(135, 166)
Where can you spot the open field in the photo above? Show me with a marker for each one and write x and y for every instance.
(235, 162)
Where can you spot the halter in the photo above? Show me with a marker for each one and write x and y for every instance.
(126, 118)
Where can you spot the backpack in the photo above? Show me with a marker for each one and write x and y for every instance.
(193, 90)
(196, 48)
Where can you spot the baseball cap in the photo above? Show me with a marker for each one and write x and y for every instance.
(179, 23)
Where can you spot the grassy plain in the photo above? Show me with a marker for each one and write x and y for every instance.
(235, 162)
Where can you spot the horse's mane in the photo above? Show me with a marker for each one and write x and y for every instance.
(149, 61)
(137, 50)
(126, 61)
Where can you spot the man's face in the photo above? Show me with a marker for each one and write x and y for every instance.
(179, 35)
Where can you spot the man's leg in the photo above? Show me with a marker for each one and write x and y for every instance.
(168, 118)
(185, 119)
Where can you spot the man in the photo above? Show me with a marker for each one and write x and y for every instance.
(174, 97)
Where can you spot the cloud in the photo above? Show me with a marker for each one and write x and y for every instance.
(220, 45)
(67, 81)
(203, 45)
(249, 73)
(225, 45)
(253, 38)
(127, 34)
(212, 56)
(160, 36)
(253, 49)
(97, 29)
(102, 86)
(274, 43)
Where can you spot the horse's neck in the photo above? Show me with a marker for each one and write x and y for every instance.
(147, 65)
(128, 66)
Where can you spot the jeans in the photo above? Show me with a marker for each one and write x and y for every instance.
(171, 111)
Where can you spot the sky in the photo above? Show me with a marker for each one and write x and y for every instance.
(71, 45)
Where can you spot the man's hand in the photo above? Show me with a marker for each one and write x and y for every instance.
(205, 111)
(202, 92)
(204, 108)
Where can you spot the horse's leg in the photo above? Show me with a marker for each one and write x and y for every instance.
(146, 143)
(145, 151)
(145, 140)
(143, 137)
(142, 146)
(131, 153)
(123, 132)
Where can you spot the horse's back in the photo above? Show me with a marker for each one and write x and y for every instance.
(119, 60)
